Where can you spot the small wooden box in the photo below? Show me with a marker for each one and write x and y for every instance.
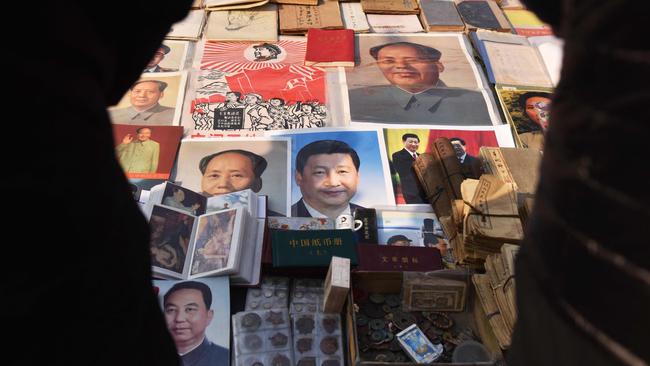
(337, 285)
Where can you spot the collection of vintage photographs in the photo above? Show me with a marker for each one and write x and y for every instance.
(230, 135)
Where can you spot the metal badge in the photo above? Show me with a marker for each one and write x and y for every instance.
(256, 293)
(376, 324)
(361, 320)
(304, 345)
(372, 310)
(253, 342)
(251, 321)
(393, 300)
(279, 340)
(330, 324)
(305, 325)
(329, 345)
(307, 361)
(378, 336)
(275, 317)
(377, 298)
(331, 363)
(280, 360)
(402, 319)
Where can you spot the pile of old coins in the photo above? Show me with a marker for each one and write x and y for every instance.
(380, 318)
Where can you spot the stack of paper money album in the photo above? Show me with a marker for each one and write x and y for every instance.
(300, 156)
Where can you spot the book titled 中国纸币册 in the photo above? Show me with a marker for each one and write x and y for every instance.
(334, 47)
(312, 248)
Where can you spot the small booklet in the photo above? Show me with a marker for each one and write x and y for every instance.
(334, 47)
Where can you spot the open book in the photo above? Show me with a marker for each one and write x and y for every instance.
(196, 236)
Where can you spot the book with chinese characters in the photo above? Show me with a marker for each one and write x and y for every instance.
(333, 47)
(390, 6)
(526, 23)
(297, 19)
(312, 248)
(394, 23)
(354, 18)
(440, 16)
(511, 59)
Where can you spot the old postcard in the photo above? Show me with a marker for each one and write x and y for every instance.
(146, 152)
(169, 57)
(527, 111)
(155, 99)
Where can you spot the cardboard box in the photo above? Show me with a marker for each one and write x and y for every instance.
(391, 282)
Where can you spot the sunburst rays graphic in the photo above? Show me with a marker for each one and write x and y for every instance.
(229, 58)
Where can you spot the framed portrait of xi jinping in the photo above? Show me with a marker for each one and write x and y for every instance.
(418, 79)
(336, 171)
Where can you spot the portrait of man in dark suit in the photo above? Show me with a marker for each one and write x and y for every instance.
(415, 94)
(403, 163)
(327, 173)
(472, 167)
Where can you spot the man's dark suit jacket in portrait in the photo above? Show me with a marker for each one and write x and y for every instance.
(438, 105)
(299, 209)
(472, 167)
(206, 354)
(403, 164)
(84, 282)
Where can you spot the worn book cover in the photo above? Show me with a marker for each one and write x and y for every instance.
(258, 24)
(373, 257)
(526, 23)
(312, 248)
(353, 17)
(440, 16)
(297, 19)
(394, 23)
(483, 14)
(390, 6)
(330, 47)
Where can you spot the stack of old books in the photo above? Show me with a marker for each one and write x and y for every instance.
(496, 292)
(479, 215)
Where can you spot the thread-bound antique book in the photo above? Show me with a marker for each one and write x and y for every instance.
(330, 47)
(483, 14)
(390, 6)
(440, 16)
(297, 19)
